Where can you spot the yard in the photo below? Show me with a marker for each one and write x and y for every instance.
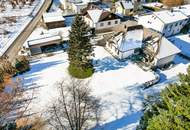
(117, 84)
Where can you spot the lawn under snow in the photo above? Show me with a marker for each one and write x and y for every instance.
(116, 83)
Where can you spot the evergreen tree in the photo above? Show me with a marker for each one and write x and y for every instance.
(172, 110)
(80, 49)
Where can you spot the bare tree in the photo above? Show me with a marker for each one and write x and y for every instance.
(13, 105)
(75, 108)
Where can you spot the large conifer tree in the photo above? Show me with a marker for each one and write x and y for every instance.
(170, 111)
(80, 49)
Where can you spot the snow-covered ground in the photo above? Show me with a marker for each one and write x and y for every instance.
(117, 84)
(14, 21)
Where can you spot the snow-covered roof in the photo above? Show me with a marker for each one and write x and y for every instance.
(95, 14)
(185, 9)
(45, 38)
(157, 20)
(129, 40)
(127, 4)
(151, 21)
(168, 16)
(166, 49)
(153, 4)
(182, 42)
(64, 31)
(53, 17)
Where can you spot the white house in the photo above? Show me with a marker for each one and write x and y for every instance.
(183, 43)
(53, 20)
(35, 45)
(154, 6)
(185, 9)
(76, 5)
(101, 19)
(162, 50)
(124, 7)
(124, 44)
(166, 22)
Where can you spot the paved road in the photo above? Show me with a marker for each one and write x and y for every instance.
(13, 50)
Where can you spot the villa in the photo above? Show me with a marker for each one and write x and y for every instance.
(124, 44)
(166, 22)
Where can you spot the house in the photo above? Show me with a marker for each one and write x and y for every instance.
(53, 20)
(36, 45)
(161, 51)
(172, 3)
(124, 7)
(186, 1)
(185, 9)
(124, 44)
(183, 43)
(166, 22)
(153, 6)
(101, 19)
(76, 5)
(51, 37)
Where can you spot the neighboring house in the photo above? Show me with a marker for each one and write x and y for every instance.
(124, 44)
(36, 45)
(167, 22)
(77, 5)
(183, 43)
(53, 20)
(51, 37)
(124, 7)
(172, 3)
(153, 6)
(187, 1)
(101, 19)
(185, 9)
(161, 51)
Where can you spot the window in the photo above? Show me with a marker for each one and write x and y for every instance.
(116, 22)
(118, 52)
(109, 23)
(176, 24)
(101, 24)
(170, 27)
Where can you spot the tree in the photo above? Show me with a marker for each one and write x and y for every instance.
(171, 110)
(75, 108)
(80, 49)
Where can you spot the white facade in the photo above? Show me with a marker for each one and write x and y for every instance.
(166, 22)
(125, 44)
(94, 20)
(102, 24)
(78, 7)
(124, 7)
(166, 54)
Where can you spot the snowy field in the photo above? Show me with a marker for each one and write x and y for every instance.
(13, 21)
(117, 84)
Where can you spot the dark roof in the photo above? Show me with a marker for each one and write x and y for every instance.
(135, 27)
(106, 15)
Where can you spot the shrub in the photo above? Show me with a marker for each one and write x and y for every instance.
(80, 73)
(22, 64)
(7, 67)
